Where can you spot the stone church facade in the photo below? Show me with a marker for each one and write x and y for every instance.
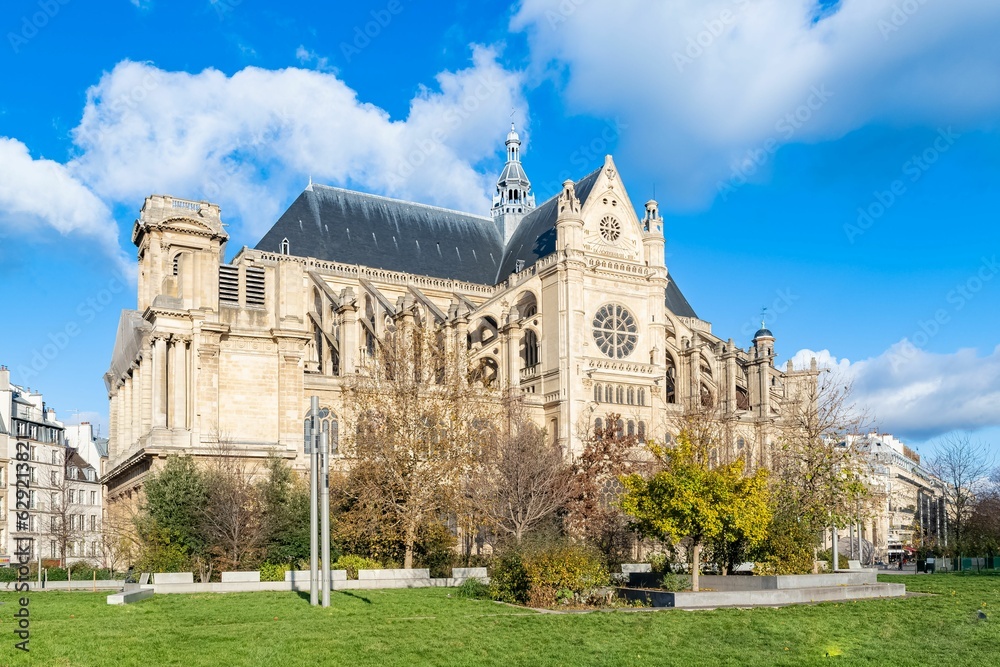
(569, 302)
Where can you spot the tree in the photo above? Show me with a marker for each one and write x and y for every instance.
(688, 498)
(983, 527)
(963, 465)
(817, 472)
(284, 514)
(65, 525)
(231, 517)
(172, 512)
(416, 422)
(593, 512)
(523, 478)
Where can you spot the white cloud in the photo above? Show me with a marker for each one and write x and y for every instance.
(40, 194)
(250, 140)
(306, 56)
(918, 394)
(702, 82)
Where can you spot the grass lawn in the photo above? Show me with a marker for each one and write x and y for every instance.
(426, 627)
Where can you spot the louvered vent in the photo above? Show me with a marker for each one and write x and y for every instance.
(229, 284)
(255, 286)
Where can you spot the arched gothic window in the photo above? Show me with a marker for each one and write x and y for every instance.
(530, 349)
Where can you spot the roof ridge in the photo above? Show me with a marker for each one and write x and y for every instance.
(403, 201)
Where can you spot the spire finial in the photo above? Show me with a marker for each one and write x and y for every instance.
(763, 317)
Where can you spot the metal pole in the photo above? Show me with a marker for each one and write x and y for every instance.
(324, 508)
(313, 487)
(835, 551)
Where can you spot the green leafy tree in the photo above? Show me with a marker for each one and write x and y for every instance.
(175, 498)
(285, 506)
(689, 498)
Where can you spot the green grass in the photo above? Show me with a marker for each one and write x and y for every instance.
(426, 627)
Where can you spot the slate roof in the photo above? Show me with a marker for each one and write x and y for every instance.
(535, 236)
(339, 225)
(356, 228)
(676, 302)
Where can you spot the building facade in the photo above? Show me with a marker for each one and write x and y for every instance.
(64, 494)
(569, 302)
(911, 507)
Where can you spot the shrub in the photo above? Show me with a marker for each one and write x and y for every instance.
(828, 557)
(509, 580)
(549, 575)
(353, 563)
(565, 573)
(473, 589)
(675, 583)
(273, 571)
(435, 549)
(8, 574)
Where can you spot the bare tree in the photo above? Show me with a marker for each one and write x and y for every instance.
(963, 464)
(232, 516)
(416, 423)
(524, 478)
(592, 511)
(65, 523)
(817, 472)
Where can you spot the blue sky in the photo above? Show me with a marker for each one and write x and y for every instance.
(835, 162)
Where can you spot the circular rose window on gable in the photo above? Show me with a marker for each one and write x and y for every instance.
(611, 229)
(615, 331)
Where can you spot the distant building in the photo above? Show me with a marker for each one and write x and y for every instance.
(65, 497)
(913, 509)
(910, 508)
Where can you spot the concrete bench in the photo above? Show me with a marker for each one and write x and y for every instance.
(173, 578)
(369, 575)
(629, 568)
(469, 573)
(240, 577)
(130, 596)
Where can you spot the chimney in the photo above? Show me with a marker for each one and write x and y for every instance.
(4, 378)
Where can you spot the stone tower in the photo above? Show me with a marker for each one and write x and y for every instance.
(513, 199)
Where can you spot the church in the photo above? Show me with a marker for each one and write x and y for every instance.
(569, 302)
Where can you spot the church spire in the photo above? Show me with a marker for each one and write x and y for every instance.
(513, 198)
